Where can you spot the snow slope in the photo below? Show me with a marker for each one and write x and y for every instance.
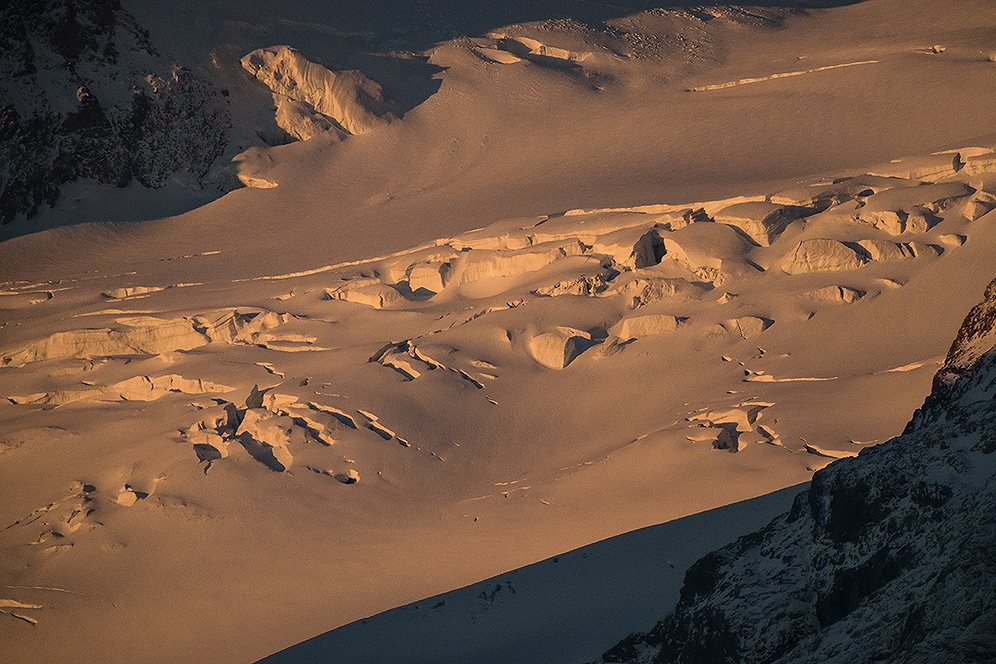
(884, 558)
(563, 609)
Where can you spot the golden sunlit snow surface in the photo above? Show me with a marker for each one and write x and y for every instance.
(604, 276)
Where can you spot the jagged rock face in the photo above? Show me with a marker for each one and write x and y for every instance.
(975, 338)
(83, 94)
(888, 557)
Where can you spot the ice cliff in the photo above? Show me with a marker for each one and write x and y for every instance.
(311, 99)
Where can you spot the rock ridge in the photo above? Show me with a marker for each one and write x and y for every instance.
(85, 95)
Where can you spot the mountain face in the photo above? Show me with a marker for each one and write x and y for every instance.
(888, 557)
(84, 94)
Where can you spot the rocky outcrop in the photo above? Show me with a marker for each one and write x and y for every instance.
(887, 557)
(975, 339)
(84, 94)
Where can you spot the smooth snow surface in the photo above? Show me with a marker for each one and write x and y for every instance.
(574, 285)
(560, 610)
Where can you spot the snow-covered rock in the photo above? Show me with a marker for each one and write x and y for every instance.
(85, 94)
(301, 121)
(641, 290)
(587, 285)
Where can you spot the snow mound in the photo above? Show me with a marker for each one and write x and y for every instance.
(149, 335)
(477, 265)
(822, 195)
(533, 49)
(266, 438)
(884, 251)
(732, 428)
(647, 325)
(558, 347)
(714, 253)
(138, 388)
(762, 222)
(429, 277)
(822, 255)
(641, 289)
(978, 204)
(497, 55)
(133, 336)
(834, 294)
(631, 247)
(747, 327)
(131, 291)
(277, 430)
(350, 99)
(980, 164)
(412, 362)
(370, 291)
(911, 209)
(891, 221)
(929, 168)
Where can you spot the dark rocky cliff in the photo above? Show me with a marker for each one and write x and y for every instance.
(888, 557)
(84, 94)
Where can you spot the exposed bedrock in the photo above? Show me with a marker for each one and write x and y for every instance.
(85, 94)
